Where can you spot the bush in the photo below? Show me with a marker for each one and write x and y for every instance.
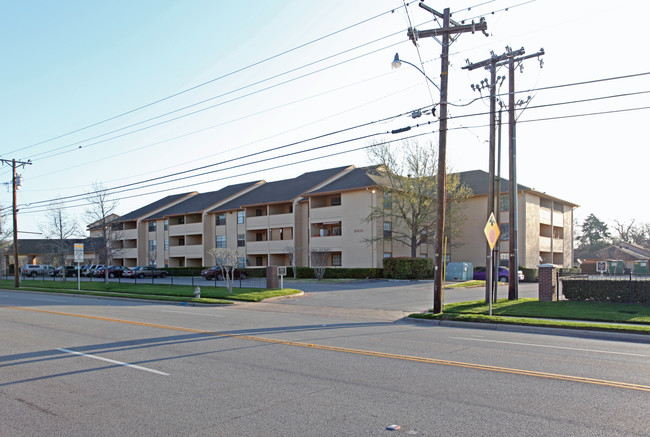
(337, 273)
(606, 290)
(408, 268)
(530, 274)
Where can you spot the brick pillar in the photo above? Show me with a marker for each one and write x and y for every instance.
(272, 278)
(547, 283)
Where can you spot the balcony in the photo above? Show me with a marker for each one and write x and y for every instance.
(544, 244)
(545, 216)
(558, 219)
(257, 222)
(280, 220)
(187, 228)
(195, 250)
(326, 213)
(128, 253)
(129, 234)
(330, 242)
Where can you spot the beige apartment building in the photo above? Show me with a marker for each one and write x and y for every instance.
(325, 211)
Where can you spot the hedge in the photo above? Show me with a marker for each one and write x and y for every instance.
(606, 290)
(408, 268)
(337, 273)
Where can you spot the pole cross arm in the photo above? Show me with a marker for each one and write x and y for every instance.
(493, 60)
(523, 58)
(415, 34)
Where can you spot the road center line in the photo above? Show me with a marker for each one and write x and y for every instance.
(108, 360)
(551, 347)
(474, 366)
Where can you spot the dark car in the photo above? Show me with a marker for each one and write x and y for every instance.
(69, 271)
(217, 272)
(504, 274)
(113, 272)
(147, 271)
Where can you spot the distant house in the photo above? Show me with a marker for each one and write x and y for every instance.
(44, 251)
(626, 252)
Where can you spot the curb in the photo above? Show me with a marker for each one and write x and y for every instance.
(567, 332)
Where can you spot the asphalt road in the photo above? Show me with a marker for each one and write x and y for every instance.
(72, 365)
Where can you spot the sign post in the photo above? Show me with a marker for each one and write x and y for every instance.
(78, 258)
(492, 233)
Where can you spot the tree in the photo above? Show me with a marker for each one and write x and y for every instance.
(293, 253)
(59, 227)
(631, 233)
(319, 258)
(407, 177)
(594, 236)
(226, 259)
(101, 213)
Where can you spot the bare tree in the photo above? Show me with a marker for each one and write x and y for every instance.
(407, 177)
(294, 254)
(226, 259)
(101, 214)
(59, 227)
(319, 258)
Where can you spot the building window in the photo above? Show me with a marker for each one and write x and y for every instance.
(388, 230)
(181, 241)
(388, 200)
(504, 202)
(166, 244)
(181, 220)
(258, 261)
(336, 230)
(505, 231)
(166, 222)
(258, 212)
(241, 240)
(504, 259)
(221, 241)
(335, 201)
(241, 217)
(152, 245)
(258, 236)
(387, 254)
(241, 263)
(221, 219)
(336, 259)
(152, 226)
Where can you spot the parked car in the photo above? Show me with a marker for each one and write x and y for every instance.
(146, 271)
(217, 272)
(90, 270)
(34, 270)
(113, 271)
(504, 274)
(69, 271)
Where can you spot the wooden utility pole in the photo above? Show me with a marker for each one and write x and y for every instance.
(14, 187)
(443, 32)
(490, 64)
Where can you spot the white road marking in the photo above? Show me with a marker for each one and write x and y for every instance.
(551, 347)
(157, 372)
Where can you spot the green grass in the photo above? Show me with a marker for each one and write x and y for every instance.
(580, 315)
(209, 294)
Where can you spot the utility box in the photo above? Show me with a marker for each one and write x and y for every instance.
(641, 267)
(459, 271)
(615, 267)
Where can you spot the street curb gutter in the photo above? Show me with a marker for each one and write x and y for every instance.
(582, 333)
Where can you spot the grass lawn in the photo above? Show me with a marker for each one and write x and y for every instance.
(583, 315)
(184, 293)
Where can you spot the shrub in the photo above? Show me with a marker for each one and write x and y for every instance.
(336, 273)
(530, 274)
(408, 268)
(606, 290)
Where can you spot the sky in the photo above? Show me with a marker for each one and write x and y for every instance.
(157, 97)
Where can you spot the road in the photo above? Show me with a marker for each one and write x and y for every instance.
(309, 366)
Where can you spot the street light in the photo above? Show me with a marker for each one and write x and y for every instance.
(397, 62)
(441, 192)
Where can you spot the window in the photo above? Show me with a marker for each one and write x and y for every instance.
(181, 220)
(241, 217)
(166, 222)
(505, 231)
(221, 219)
(258, 212)
(152, 226)
(241, 263)
(336, 259)
(388, 200)
(221, 241)
(241, 240)
(336, 230)
(388, 230)
(181, 241)
(258, 261)
(387, 254)
(258, 236)
(504, 259)
(152, 245)
(166, 244)
(504, 202)
(335, 201)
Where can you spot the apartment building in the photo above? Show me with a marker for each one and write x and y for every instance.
(326, 211)
(545, 225)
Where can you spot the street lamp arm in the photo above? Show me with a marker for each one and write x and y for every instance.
(397, 62)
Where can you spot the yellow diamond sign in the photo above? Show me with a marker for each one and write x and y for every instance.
(492, 231)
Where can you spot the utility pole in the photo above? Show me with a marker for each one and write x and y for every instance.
(490, 64)
(14, 187)
(444, 32)
(513, 279)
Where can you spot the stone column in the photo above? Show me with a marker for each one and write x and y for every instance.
(272, 278)
(547, 283)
